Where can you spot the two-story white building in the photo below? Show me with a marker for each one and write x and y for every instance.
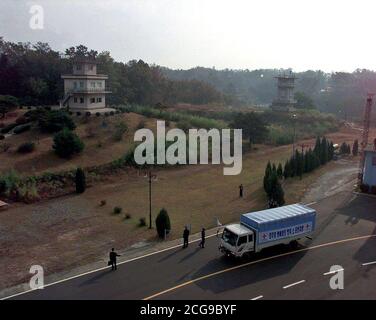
(84, 89)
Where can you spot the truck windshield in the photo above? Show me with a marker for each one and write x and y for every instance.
(229, 237)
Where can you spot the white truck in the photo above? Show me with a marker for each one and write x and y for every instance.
(266, 228)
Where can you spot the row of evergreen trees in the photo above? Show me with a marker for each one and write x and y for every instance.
(297, 165)
(305, 162)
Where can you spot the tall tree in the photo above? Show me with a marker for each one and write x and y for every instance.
(254, 127)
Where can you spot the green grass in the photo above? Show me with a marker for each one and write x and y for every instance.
(178, 117)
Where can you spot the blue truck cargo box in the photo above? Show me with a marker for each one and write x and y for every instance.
(282, 222)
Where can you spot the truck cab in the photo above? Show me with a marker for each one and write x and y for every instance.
(237, 240)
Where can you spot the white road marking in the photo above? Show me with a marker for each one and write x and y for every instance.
(293, 284)
(334, 271)
(104, 268)
(311, 203)
(258, 297)
(368, 263)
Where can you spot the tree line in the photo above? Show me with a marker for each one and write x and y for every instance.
(340, 93)
(32, 73)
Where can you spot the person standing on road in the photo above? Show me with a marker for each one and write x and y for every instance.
(241, 191)
(185, 237)
(202, 243)
(113, 256)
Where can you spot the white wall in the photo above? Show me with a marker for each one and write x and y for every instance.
(369, 175)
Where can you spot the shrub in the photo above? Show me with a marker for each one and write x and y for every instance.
(10, 183)
(103, 203)
(120, 129)
(67, 143)
(26, 147)
(163, 223)
(128, 216)
(80, 181)
(141, 125)
(21, 120)
(117, 210)
(364, 188)
(54, 121)
(142, 222)
(88, 114)
(112, 113)
(28, 193)
(21, 128)
(78, 113)
(184, 125)
(97, 114)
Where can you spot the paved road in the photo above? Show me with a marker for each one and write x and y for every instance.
(345, 236)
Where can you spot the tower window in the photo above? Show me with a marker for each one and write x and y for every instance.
(75, 100)
(92, 100)
(99, 99)
(81, 100)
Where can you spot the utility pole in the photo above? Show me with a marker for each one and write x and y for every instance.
(365, 134)
(150, 177)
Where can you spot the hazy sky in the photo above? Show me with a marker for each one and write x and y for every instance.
(331, 35)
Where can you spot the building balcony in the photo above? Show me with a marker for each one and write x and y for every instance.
(90, 90)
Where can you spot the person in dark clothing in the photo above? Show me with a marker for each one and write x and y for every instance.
(202, 242)
(241, 191)
(185, 237)
(112, 261)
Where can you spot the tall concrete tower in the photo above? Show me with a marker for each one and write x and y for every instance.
(285, 99)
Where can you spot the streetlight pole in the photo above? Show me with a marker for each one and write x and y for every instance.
(150, 200)
(150, 177)
(293, 139)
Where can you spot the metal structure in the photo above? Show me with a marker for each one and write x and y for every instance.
(285, 99)
(365, 134)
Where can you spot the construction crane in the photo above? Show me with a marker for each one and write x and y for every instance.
(365, 134)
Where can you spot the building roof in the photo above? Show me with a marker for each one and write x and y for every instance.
(280, 213)
(84, 60)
